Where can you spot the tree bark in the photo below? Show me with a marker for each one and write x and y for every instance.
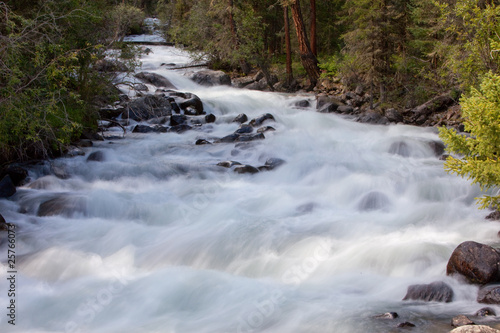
(314, 48)
(289, 73)
(307, 58)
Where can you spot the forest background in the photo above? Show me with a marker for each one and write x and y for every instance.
(402, 52)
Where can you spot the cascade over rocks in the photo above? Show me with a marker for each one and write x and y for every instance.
(374, 201)
(434, 292)
(477, 263)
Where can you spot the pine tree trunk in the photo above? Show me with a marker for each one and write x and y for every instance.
(307, 58)
(289, 73)
(314, 48)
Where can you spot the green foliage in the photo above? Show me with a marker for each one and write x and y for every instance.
(330, 67)
(48, 77)
(479, 152)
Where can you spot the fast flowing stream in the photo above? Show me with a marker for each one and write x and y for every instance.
(164, 240)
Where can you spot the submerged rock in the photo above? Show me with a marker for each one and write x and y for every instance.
(244, 129)
(405, 324)
(477, 263)
(97, 156)
(260, 120)
(246, 169)
(400, 148)
(489, 295)
(387, 315)
(266, 129)
(433, 292)
(66, 205)
(484, 312)
(374, 201)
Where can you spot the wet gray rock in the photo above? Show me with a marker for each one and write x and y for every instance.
(461, 320)
(17, 174)
(155, 79)
(489, 295)
(302, 104)
(73, 152)
(210, 118)
(485, 312)
(266, 129)
(372, 117)
(387, 315)
(97, 156)
(477, 263)
(147, 107)
(437, 147)
(230, 138)
(493, 216)
(246, 169)
(345, 109)
(261, 119)
(177, 119)
(272, 163)
(241, 118)
(394, 116)
(433, 292)
(228, 164)
(181, 128)
(209, 77)
(140, 87)
(200, 142)
(327, 104)
(7, 187)
(244, 129)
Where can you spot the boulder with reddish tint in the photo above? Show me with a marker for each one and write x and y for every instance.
(477, 263)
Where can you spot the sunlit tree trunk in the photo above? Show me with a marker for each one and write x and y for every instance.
(314, 48)
(307, 58)
(289, 73)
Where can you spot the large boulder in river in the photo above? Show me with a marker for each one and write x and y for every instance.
(17, 174)
(155, 79)
(190, 103)
(147, 107)
(7, 187)
(433, 292)
(209, 77)
(474, 329)
(477, 263)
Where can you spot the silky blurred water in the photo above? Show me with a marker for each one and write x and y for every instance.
(165, 240)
